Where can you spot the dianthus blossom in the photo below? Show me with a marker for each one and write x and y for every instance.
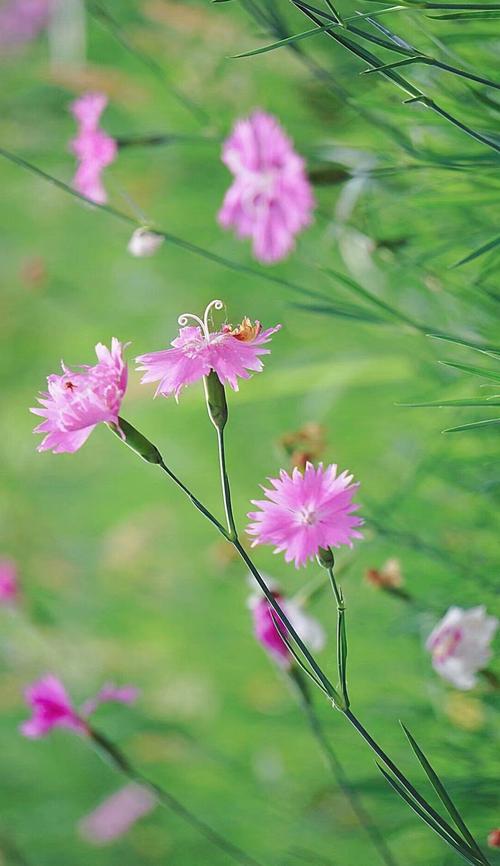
(22, 20)
(233, 353)
(117, 814)
(93, 148)
(304, 512)
(460, 644)
(52, 707)
(77, 401)
(9, 588)
(270, 630)
(270, 199)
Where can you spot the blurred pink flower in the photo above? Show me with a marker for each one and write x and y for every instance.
(270, 199)
(460, 645)
(52, 708)
(306, 512)
(9, 588)
(117, 814)
(269, 629)
(93, 148)
(22, 20)
(76, 402)
(231, 352)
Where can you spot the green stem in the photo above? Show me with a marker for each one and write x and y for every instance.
(116, 758)
(226, 490)
(341, 637)
(338, 771)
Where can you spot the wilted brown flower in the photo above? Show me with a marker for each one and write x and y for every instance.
(389, 576)
(304, 445)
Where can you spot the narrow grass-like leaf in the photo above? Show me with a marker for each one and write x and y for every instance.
(464, 850)
(476, 371)
(442, 792)
(480, 402)
(486, 248)
(430, 61)
(476, 425)
(371, 298)
(356, 313)
(493, 351)
(466, 16)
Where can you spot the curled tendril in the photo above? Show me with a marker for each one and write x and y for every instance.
(203, 323)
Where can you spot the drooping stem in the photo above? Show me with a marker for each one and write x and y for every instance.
(119, 761)
(338, 772)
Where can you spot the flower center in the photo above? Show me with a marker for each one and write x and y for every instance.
(307, 515)
(446, 643)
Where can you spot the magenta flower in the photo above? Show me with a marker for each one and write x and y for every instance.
(22, 20)
(93, 148)
(270, 630)
(117, 814)
(306, 512)
(9, 589)
(232, 352)
(52, 708)
(270, 199)
(76, 402)
(460, 644)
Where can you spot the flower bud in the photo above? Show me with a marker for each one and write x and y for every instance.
(144, 242)
(494, 839)
(216, 400)
(325, 557)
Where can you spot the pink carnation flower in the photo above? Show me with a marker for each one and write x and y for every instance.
(93, 148)
(306, 512)
(52, 708)
(22, 20)
(270, 199)
(76, 402)
(9, 588)
(460, 644)
(269, 630)
(232, 352)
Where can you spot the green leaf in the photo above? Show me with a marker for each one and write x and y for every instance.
(466, 16)
(484, 401)
(474, 426)
(442, 793)
(371, 298)
(476, 371)
(464, 850)
(481, 251)
(494, 351)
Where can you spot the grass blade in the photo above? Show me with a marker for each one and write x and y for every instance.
(479, 252)
(476, 425)
(442, 793)
(476, 371)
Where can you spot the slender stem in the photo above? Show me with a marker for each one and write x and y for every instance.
(365, 820)
(341, 637)
(121, 764)
(226, 489)
(196, 502)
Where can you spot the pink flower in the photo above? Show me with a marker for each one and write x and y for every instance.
(117, 814)
(93, 148)
(269, 629)
(52, 708)
(9, 589)
(76, 402)
(460, 645)
(231, 352)
(306, 512)
(270, 199)
(22, 20)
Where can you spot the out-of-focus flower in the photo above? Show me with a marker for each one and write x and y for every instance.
(9, 587)
(93, 148)
(460, 644)
(144, 242)
(33, 272)
(52, 707)
(270, 199)
(306, 512)
(269, 629)
(117, 814)
(76, 402)
(233, 353)
(22, 20)
(494, 839)
(389, 576)
(305, 445)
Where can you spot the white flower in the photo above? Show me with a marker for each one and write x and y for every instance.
(144, 242)
(460, 644)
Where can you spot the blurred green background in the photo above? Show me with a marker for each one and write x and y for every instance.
(121, 578)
